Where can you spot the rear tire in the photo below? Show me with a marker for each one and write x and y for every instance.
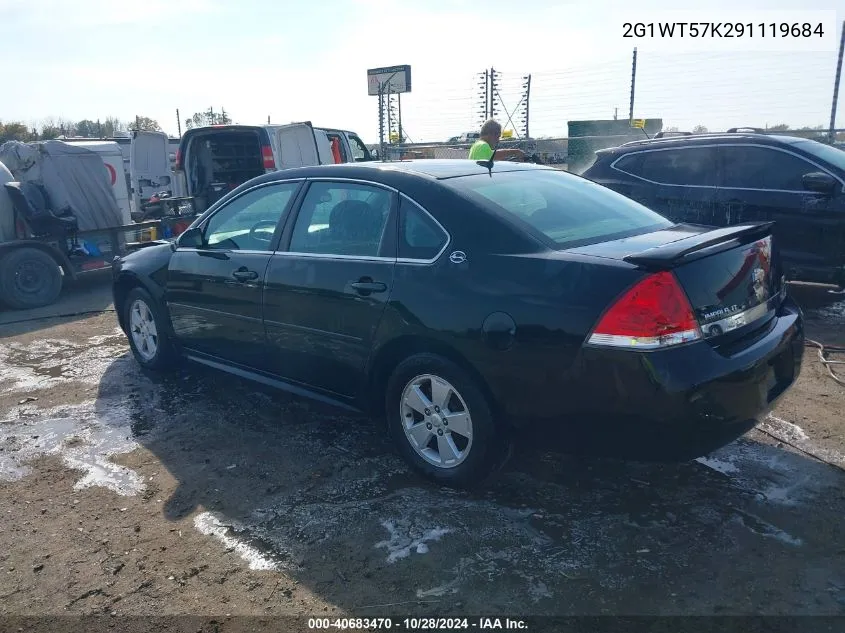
(29, 278)
(442, 423)
(146, 329)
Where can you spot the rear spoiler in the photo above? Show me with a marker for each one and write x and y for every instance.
(668, 255)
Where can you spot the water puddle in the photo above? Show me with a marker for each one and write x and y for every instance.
(257, 554)
(775, 475)
(834, 313)
(47, 362)
(763, 528)
(406, 538)
(792, 433)
(84, 436)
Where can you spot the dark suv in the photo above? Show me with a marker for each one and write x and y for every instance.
(733, 178)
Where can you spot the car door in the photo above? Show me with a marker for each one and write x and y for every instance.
(214, 291)
(149, 166)
(761, 184)
(329, 283)
(360, 153)
(680, 182)
(296, 145)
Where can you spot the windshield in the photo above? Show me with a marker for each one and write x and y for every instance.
(560, 208)
(832, 155)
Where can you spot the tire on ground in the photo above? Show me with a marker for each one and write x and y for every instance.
(165, 353)
(490, 441)
(29, 278)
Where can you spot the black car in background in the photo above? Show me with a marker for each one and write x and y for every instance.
(467, 304)
(734, 178)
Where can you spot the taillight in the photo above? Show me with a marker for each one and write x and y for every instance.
(655, 313)
(267, 156)
(177, 163)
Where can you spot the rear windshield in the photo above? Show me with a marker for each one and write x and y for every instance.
(560, 208)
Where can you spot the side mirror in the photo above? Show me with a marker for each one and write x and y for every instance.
(819, 182)
(191, 238)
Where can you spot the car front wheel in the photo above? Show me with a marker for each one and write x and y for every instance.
(146, 330)
(442, 423)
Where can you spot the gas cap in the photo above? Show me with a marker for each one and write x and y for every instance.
(499, 330)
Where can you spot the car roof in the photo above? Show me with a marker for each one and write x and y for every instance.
(703, 139)
(432, 168)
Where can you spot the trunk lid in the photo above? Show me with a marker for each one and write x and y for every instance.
(732, 276)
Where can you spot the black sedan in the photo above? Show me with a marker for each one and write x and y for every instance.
(468, 303)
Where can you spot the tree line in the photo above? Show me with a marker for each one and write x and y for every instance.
(52, 128)
(780, 127)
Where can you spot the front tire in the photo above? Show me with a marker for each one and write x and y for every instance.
(442, 423)
(147, 331)
(29, 278)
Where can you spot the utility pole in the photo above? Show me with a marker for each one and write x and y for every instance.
(484, 93)
(633, 84)
(527, 102)
(492, 93)
(832, 130)
(401, 133)
(178, 123)
(381, 120)
(615, 114)
(389, 115)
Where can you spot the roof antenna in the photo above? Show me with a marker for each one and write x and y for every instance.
(489, 163)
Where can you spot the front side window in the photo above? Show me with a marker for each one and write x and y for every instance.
(823, 152)
(342, 219)
(754, 167)
(567, 210)
(249, 221)
(359, 152)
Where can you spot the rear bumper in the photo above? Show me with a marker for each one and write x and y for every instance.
(681, 403)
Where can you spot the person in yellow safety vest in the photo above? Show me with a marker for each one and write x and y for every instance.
(490, 134)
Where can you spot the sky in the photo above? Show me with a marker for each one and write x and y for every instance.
(296, 61)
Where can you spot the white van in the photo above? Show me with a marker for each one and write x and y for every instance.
(145, 163)
(113, 159)
(213, 160)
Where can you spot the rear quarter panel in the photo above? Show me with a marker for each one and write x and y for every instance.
(551, 299)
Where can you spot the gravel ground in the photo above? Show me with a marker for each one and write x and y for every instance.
(197, 493)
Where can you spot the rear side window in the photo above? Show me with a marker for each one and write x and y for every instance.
(342, 218)
(753, 167)
(558, 207)
(682, 166)
(420, 237)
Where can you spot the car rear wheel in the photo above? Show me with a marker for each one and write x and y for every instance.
(29, 278)
(146, 331)
(442, 423)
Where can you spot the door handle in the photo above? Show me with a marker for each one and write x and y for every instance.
(367, 285)
(242, 274)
